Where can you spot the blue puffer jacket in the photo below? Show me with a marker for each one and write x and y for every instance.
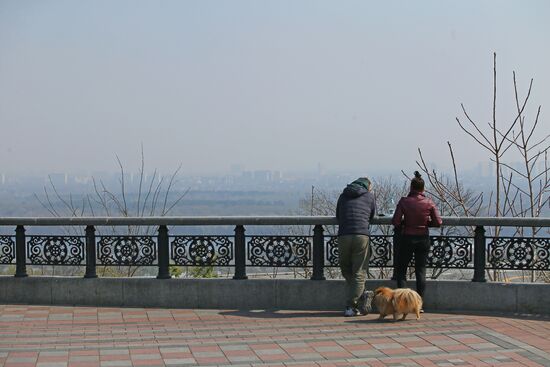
(355, 209)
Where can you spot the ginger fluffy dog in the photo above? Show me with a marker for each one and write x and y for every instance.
(397, 301)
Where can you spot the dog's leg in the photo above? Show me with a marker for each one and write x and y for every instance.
(381, 317)
(404, 316)
(394, 316)
(417, 313)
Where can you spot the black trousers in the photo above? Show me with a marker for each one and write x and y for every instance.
(419, 246)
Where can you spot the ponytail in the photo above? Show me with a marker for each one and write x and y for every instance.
(417, 183)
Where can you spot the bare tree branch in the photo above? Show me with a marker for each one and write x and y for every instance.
(488, 147)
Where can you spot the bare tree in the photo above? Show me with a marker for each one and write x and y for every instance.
(496, 141)
(519, 191)
(533, 177)
(154, 197)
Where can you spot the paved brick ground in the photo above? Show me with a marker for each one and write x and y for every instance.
(86, 337)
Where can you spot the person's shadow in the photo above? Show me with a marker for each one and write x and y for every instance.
(282, 314)
(289, 314)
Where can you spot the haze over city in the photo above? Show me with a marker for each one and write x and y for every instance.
(274, 85)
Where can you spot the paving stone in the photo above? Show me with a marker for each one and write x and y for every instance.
(367, 353)
(264, 352)
(483, 346)
(139, 357)
(422, 350)
(307, 356)
(179, 361)
(243, 359)
(107, 352)
(174, 350)
(83, 359)
(116, 363)
(54, 354)
(234, 347)
(208, 354)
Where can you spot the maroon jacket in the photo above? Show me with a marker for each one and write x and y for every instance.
(416, 213)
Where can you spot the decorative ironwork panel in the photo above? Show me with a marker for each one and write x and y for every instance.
(7, 249)
(450, 252)
(518, 253)
(331, 249)
(280, 251)
(381, 250)
(381, 247)
(202, 250)
(127, 250)
(55, 250)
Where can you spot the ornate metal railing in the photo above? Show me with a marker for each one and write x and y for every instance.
(316, 251)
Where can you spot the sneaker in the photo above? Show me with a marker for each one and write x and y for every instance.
(350, 312)
(365, 302)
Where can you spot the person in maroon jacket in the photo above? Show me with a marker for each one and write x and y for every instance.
(413, 216)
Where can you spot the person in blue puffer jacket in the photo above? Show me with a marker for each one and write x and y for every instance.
(355, 209)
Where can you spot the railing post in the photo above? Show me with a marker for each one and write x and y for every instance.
(318, 253)
(90, 253)
(20, 253)
(479, 255)
(240, 253)
(163, 253)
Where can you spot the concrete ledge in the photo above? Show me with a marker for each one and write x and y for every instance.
(291, 294)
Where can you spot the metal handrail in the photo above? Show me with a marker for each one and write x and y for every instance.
(255, 220)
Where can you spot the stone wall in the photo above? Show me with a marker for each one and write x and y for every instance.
(458, 296)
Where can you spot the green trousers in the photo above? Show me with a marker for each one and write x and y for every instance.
(354, 255)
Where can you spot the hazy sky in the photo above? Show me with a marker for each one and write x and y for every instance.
(264, 84)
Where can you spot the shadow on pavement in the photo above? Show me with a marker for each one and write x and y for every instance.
(281, 314)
